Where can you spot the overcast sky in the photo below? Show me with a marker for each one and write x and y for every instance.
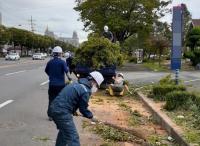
(59, 15)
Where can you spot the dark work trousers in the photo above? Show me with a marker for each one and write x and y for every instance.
(53, 92)
(67, 134)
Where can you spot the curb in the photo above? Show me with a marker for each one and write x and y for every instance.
(162, 119)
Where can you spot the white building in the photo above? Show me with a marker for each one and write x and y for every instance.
(49, 33)
(73, 41)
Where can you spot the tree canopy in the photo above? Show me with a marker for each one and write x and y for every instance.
(24, 38)
(193, 38)
(124, 17)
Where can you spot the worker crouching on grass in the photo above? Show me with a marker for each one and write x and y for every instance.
(118, 87)
(74, 96)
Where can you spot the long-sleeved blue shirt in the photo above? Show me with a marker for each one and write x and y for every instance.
(56, 69)
(74, 96)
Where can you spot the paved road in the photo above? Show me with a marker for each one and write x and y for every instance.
(190, 78)
(23, 103)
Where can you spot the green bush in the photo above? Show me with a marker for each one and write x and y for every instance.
(167, 80)
(178, 99)
(133, 59)
(196, 59)
(188, 55)
(145, 60)
(193, 56)
(159, 91)
(196, 100)
(97, 52)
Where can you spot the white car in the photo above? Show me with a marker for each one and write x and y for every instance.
(44, 54)
(38, 56)
(12, 56)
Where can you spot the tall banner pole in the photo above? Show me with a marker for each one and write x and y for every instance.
(177, 37)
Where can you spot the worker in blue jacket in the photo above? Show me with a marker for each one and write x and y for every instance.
(56, 69)
(74, 96)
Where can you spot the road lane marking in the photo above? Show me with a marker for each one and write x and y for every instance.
(6, 103)
(44, 83)
(19, 63)
(192, 80)
(8, 74)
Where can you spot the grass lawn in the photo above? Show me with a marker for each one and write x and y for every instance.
(154, 66)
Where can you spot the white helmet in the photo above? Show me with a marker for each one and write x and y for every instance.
(57, 49)
(121, 74)
(106, 28)
(67, 55)
(97, 76)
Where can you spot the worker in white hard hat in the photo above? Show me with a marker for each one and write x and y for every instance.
(74, 96)
(108, 34)
(56, 69)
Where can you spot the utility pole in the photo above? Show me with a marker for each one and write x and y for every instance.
(32, 24)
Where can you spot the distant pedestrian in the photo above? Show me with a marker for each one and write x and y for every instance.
(69, 59)
(74, 96)
(56, 69)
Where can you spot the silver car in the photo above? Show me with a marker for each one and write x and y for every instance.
(12, 56)
(38, 56)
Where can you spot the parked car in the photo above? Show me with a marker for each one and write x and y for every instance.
(44, 54)
(38, 56)
(12, 56)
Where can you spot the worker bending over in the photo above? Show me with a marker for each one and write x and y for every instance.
(74, 96)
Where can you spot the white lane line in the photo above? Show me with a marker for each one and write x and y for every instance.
(192, 80)
(44, 83)
(8, 74)
(6, 103)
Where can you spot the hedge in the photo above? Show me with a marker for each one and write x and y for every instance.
(159, 91)
(180, 99)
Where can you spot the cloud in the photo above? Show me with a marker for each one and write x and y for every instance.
(58, 15)
(192, 5)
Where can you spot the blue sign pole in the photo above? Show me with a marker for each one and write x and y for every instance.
(177, 38)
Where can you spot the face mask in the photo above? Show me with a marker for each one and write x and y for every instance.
(94, 89)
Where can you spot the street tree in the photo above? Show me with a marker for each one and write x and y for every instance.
(4, 35)
(124, 17)
(187, 19)
(193, 38)
(160, 45)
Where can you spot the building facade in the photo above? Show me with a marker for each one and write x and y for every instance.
(49, 33)
(73, 41)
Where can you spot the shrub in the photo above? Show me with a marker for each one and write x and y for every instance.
(167, 80)
(160, 91)
(196, 59)
(98, 52)
(196, 100)
(133, 59)
(188, 55)
(193, 56)
(178, 99)
(145, 60)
